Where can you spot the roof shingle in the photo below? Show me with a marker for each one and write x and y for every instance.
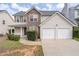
(47, 13)
(43, 13)
(21, 13)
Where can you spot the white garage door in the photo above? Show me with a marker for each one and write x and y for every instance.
(56, 34)
(48, 33)
(64, 34)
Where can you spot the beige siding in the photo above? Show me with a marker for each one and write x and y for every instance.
(44, 18)
(57, 22)
(8, 21)
(61, 22)
(30, 23)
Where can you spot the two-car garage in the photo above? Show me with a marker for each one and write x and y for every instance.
(54, 33)
(56, 27)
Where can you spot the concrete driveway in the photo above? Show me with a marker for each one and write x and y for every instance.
(60, 47)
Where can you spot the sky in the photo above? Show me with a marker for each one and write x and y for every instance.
(13, 8)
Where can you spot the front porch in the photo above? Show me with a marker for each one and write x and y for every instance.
(21, 31)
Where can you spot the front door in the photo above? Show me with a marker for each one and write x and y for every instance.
(25, 30)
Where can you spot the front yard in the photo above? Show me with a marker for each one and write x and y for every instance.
(8, 44)
(15, 48)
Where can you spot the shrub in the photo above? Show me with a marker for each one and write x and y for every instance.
(76, 32)
(31, 35)
(13, 37)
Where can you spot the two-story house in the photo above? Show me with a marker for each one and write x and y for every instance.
(71, 12)
(29, 20)
(26, 21)
(32, 19)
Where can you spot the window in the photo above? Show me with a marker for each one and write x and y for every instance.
(21, 18)
(25, 30)
(77, 12)
(3, 21)
(12, 30)
(17, 20)
(24, 20)
(33, 17)
(9, 31)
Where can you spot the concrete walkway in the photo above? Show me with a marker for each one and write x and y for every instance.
(60, 47)
(27, 42)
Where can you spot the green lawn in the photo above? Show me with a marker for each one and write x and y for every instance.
(7, 44)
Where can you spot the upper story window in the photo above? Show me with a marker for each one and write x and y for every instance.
(3, 21)
(77, 12)
(21, 18)
(33, 17)
(17, 20)
(24, 20)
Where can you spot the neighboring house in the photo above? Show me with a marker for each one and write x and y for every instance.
(52, 22)
(5, 21)
(71, 12)
(76, 13)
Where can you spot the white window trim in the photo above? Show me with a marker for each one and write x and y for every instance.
(33, 17)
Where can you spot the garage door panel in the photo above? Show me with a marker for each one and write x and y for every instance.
(63, 34)
(48, 33)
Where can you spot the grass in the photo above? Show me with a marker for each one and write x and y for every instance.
(77, 39)
(8, 44)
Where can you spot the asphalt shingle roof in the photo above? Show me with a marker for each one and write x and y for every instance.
(21, 13)
(3, 11)
(47, 13)
(43, 13)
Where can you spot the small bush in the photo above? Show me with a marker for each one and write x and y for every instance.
(13, 37)
(31, 35)
(76, 32)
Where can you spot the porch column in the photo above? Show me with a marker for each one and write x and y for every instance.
(21, 32)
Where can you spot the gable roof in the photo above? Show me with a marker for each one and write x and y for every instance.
(5, 11)
(43, 13)
(59, 13)
(76, 6)
(2, 10)
(20, 13)
(47, 13)
(32, 9)
(73, 21)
